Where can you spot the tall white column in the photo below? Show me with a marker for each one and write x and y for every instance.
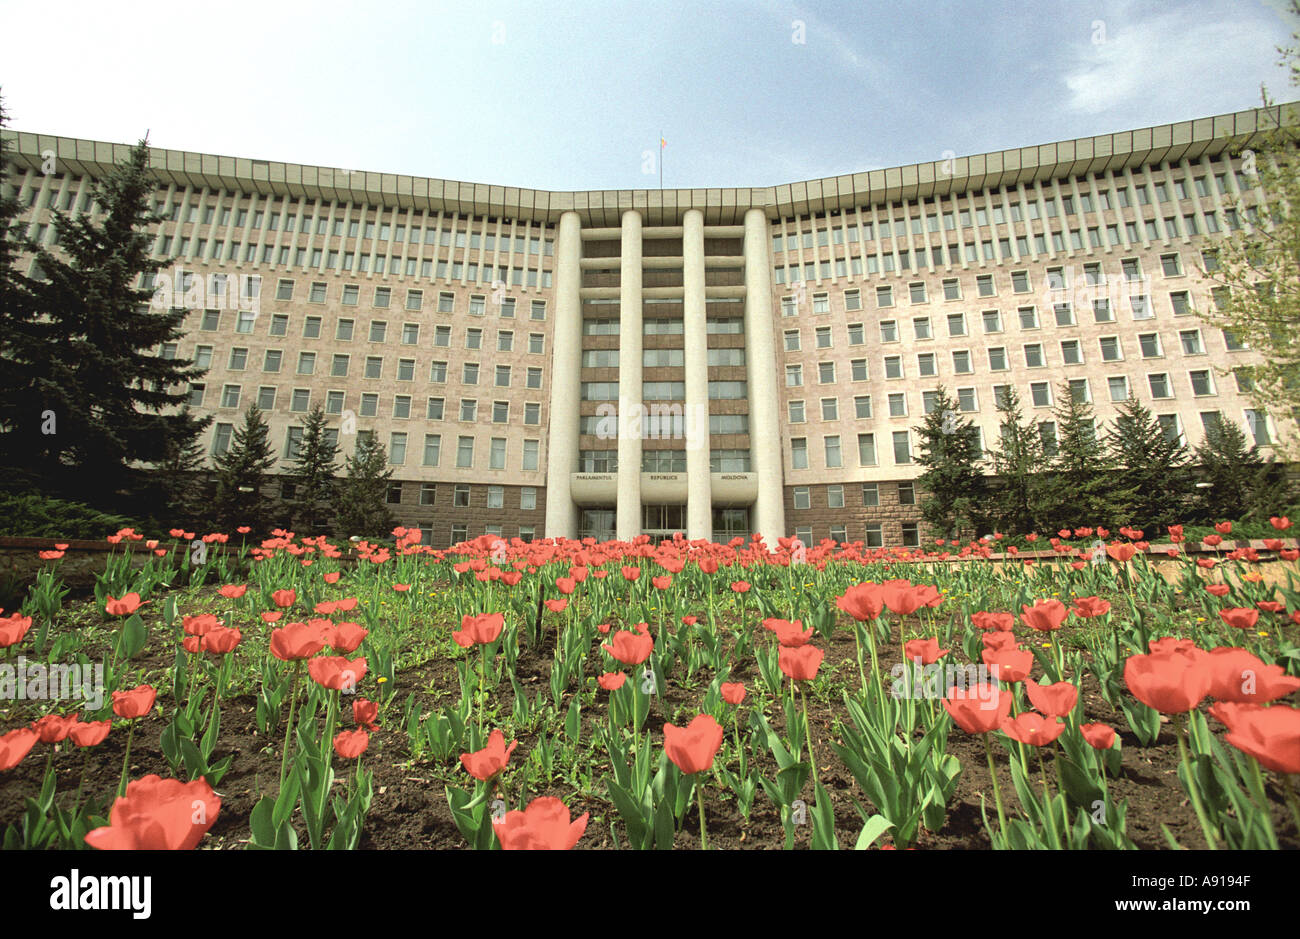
(761, 369)
(628, 517)
(566, 374)
(699, 495)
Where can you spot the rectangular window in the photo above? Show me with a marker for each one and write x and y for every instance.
(1034, 355)
(799, 452)
(902, 447)
(465, 452)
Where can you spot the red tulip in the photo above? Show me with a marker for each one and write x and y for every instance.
(1270, 734)
(557, 606)
(365, 713)
(1055, 700)
(135, 703)
(788, 633)
(1172, 682)
(1218, 590)
(1009, 665)
(1044, 615)
(740, 586)
(978, 709)
(1032, 729)
(662, 583)
(123, 607)
(272, 616)
(566, 585)
(690, 620)
(902, 599)
(998, 640)
(233, 591)
(862, 601)
(346, 636)
(544, 825)
(1088, 607)
(1281, 524)
(52, 728)
(631, 573)
(994, 621)
(800, 662)
(1240, 617)
(350, 744)
(482, 629)
(332, 577)
(296, 641)
(1271, 606)
(1121, 552)
(694, 746)
(1212, 540)
(602, 628)
(492, 759)
(15, 745)
(401, 588)
(13, 629)
(732, 692)
(158, 814)
(221, 641)
(1098, 736)
(927, 650)
(91, 734)
(630, 648)
(337, 673)
(612, 681)
(284, 598)
(201, 625)
(1223, 528)
(1238, 676)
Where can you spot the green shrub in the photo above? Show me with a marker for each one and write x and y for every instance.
(33, 515)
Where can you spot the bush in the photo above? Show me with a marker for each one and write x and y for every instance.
(33, 515)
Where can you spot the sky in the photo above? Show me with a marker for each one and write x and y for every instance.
(576, 95)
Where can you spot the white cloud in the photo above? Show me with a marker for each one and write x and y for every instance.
(1141, 65)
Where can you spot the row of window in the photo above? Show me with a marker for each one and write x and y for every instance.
(300, 400)
(659, 426)
(397, 447)
(909, 534)
(1057, 278)
(460, 495)
(802, 495)
(662, 358)
(663, 326)
(1111, 349)
(377, 331)
(991, 320)
(663, 391)
(1040, 395)
(1258, 425)
(340, 364)
(656, 461)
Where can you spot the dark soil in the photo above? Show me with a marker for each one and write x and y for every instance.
(410, 809)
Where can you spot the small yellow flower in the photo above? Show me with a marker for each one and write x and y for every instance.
(1264, 634)
(1200, 619)
(382, 679)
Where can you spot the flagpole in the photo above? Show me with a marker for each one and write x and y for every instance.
(661, 159)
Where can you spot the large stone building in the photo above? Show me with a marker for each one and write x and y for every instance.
(769, 350)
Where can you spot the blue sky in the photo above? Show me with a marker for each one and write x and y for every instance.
(574, 94)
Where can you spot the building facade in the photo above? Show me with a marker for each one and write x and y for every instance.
(710, 361)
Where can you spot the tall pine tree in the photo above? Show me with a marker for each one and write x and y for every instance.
(1153, 467)
(23, 337)
(1081, 484)
(101, 397)
(953, 481)
(242, 471)
(1017, 489)
(1232, 466)
(363, 493)
(315, 468)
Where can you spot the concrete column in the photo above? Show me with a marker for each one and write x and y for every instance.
(761, 367)
(628, 517)
(566, 372)
(699, 495)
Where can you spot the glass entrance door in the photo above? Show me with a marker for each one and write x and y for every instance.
(661, 522)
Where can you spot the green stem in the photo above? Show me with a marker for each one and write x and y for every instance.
(126, 756)
(807, 727)
(997, 790)
(1192, 788)
(1291, 798)
(1047, 803)
(288, 730)
(699, 800)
